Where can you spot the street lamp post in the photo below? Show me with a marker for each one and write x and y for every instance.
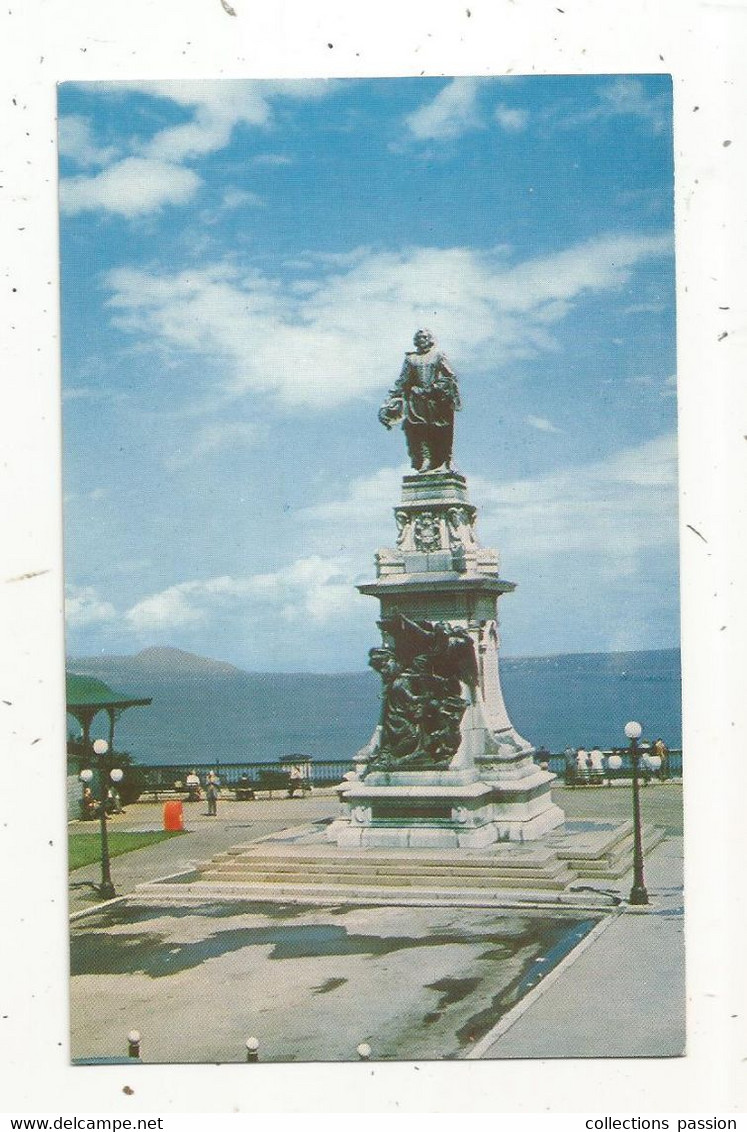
(638, 893)
(100, 748)
(106, 888)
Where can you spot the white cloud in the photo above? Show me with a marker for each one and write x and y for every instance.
(359, 522)
(625, 97)
(542, 425)
(606, 532)
(313, 589)
(129, 188)
(153, 174)
(593, 548)
(610, 511)
(306, 343)
(84, 607)
(369, 497)
(238, 198)
(629, 499)
(75, 140)
(216, 107)
(451, 113)
(172, 608)
(511, 118)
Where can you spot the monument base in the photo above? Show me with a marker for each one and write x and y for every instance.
(444, 810)
(438, 590)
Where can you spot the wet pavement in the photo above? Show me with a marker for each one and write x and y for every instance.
(310, 983)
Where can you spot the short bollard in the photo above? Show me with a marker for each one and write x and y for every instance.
(363, 1051)
(133, 1043)
(252, 1049)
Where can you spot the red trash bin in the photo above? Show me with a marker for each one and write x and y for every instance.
(173, 816)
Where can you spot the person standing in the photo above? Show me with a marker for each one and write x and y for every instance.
(661, 749)
(192, 782)
(596, 760)
(295, 781)
(211, 792)
(645, 762)
(89, 805)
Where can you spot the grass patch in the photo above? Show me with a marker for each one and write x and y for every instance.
(85, 848)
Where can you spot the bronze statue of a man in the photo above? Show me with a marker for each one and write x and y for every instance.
(424, 398)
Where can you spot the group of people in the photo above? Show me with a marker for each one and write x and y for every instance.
(586, 766)
(591, 766)
(91, 806)
(244, 788)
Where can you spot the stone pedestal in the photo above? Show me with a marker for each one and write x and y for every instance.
(492, 790)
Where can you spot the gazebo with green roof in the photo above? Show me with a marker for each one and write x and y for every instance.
(87, 696)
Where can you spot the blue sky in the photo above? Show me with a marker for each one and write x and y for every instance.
(243, 266)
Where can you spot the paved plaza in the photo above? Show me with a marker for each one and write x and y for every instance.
(312, 982)
(236, 822)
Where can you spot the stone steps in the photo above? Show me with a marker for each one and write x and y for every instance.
(391, 881)
(321, 869)
(506, 854)
(600, 844)
(326, 894)
(511, 869)
(604, 856)
(507, 875)
(614, 865)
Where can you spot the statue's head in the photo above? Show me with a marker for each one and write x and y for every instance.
(423, 340)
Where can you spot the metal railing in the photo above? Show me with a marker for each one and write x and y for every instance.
(558, 764)
(330, 772)
(320, 772)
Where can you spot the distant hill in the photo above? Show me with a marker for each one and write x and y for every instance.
(206, 710)
(167, 663)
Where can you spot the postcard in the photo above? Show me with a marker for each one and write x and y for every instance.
(362, 420)
(358, 708)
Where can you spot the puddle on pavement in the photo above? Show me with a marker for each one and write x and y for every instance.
(95, 949)
(453, 990)
(329, 985)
